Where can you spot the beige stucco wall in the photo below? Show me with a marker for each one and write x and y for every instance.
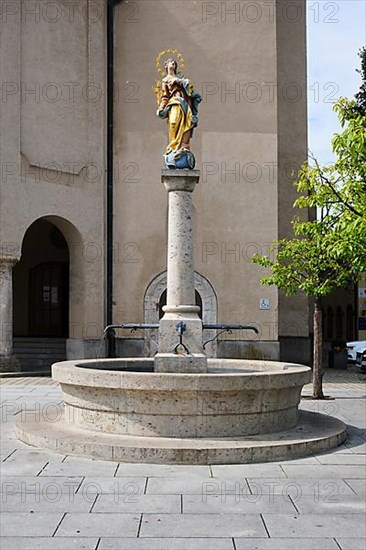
(293, 315)
(53, 146)
(251, 131)
(53, 67)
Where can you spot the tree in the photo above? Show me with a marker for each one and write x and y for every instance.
(361, 95)
(304, 264)
(330, 251)
(338, 191)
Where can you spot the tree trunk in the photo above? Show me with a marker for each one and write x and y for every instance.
(318, 352)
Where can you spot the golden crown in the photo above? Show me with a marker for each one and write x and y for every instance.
(169, 52)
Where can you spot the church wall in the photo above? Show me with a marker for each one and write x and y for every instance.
(53, 69)
(293, 312)
(237, 59)
(53, 151)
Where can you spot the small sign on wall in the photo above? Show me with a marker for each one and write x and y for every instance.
(264, 303)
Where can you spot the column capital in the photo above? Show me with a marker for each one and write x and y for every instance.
(8, 260)
(180, 180)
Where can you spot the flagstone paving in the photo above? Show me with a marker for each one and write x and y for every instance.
(57, 502)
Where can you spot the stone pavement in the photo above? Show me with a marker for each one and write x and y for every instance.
(54, 502)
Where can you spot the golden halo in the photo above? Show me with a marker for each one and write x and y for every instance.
(178, 55)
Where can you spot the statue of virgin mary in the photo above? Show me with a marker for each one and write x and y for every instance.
(178, 102)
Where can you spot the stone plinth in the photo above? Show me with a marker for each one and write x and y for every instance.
(181, 306)
(8, 363)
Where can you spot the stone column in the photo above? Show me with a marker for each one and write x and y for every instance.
(8, 362)
(181, 309)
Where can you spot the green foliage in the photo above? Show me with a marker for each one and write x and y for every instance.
(361, 95)
(338, 191)
(303, 263)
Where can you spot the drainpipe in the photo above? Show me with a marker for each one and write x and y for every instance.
(111, 340)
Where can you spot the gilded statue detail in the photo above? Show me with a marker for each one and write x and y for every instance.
(178, 103)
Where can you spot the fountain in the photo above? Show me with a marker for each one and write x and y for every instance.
(180, 406)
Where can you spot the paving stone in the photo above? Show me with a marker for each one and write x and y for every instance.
(313, 525)
(112, 485)
(166, 544)
(32, 401)
(79, 466)
(22, 455)
(46, 502)
(248, 470)
(343, 459)
(99, 525)
(9, 411)
(15, 394)
(237, 504)
(48, 543)
(14, 466)
(327, 489)
(357, 446)
(298, 487)
(351, 544)
(355, 432)
(323, 471)
(8, 432)
(335, 504)
(6, 448)
(357, 485)
(356, 411)
(306, 460)
(286, 544)
(162, 470)
(8, 404)
(202, 525)
(195, 486)
(36, 525)
(37, 484)
(133, 503)
(342, 449)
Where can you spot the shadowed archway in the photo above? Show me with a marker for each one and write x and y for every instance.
(155, 297)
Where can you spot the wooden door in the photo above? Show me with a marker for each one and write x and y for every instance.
(49, 300)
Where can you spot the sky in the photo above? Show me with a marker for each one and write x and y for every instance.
(336, 32)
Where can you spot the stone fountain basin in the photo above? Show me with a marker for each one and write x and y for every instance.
(235, 398)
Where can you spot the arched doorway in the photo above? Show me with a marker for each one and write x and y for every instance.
(41, 297)
(41, 283)
(155, 298)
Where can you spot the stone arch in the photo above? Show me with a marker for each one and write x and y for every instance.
(151, 309)
(76, 268)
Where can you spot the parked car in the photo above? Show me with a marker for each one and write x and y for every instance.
(355, 348)
(361, 360)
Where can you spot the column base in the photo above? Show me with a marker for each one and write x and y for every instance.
(9, 364)
(191, 337)
(180, 364)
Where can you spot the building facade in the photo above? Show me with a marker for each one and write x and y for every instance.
(73, 133)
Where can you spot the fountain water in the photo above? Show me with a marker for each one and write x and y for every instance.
(180, 406)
